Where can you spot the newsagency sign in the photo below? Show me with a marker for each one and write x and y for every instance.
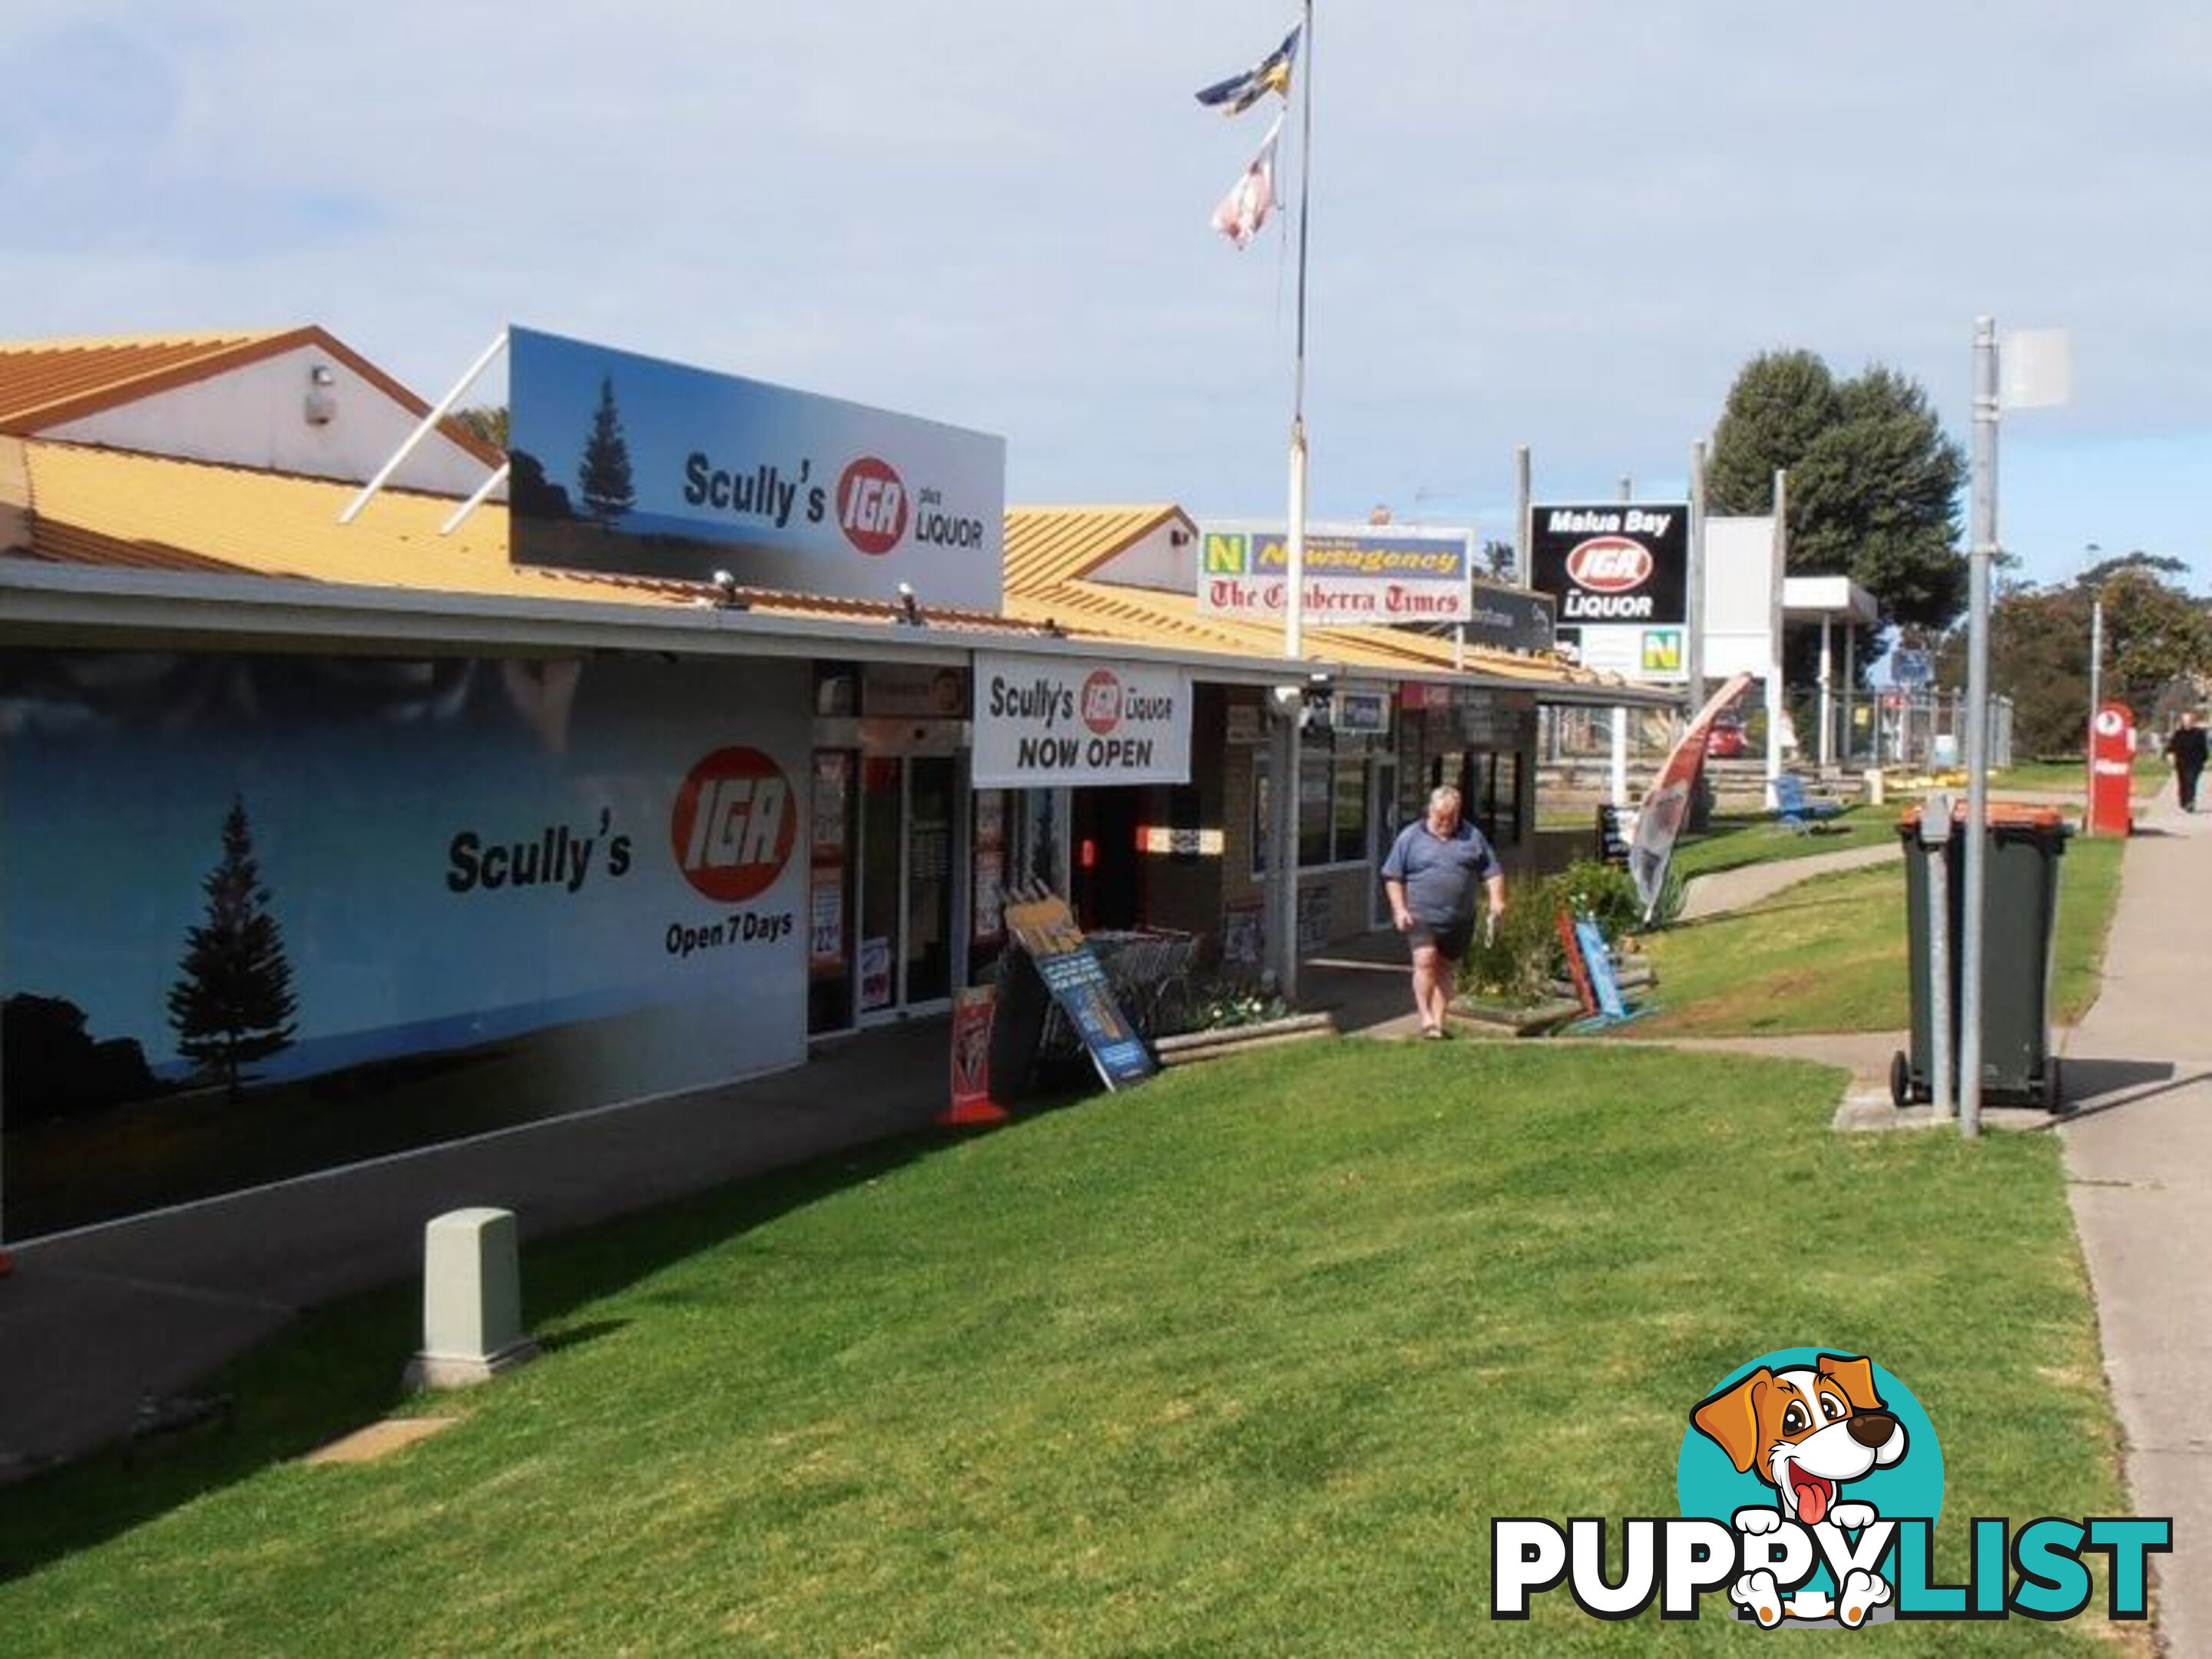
(633, 465)
(1042, 721)
(1354, 573)
(1620, 573)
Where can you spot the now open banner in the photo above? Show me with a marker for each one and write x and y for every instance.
(1045, 721)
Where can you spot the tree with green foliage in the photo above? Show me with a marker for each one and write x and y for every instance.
(2158, 640)
(234, 1005)
(487, 421)
(603, 475)
(1874, 484)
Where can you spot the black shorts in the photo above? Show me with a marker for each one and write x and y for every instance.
(1451, 939)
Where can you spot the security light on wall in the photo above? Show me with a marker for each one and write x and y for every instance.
(322, 405)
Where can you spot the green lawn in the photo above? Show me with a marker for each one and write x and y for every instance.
(2072, 777)
(1241, 1361)
(1734, 840)
(1830, 954)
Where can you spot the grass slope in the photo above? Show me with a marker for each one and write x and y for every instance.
(1243, 1362)
(1829, 954)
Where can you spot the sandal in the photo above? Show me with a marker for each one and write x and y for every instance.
(1433, 1033)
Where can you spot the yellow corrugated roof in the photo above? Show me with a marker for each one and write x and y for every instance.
(1052, 547)
(45, 383)
(1047, 546)
(100, 507)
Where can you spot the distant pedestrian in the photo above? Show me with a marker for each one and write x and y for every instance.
(2185, 749)
(1435, 868)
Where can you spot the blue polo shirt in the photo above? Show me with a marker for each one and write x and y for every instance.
(1441, 873)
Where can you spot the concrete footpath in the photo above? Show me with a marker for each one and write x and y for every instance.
(2137, 1076)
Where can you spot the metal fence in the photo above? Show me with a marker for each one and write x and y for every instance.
(1918, 730)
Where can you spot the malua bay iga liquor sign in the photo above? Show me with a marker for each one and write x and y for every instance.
(1051, 721)
(1619, 563)
(627, 464)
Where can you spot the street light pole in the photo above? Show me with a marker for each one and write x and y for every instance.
(1980, 554)
(2096, 646)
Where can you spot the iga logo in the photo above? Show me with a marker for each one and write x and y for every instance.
(1102, 702)
(871, 506)
(1810, 1483)
(1609, 565)
(734, 822)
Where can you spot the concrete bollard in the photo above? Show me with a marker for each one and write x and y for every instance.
(471, 1301)
(1874, 785)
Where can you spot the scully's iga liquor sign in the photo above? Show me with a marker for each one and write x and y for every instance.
(629, 464)
(1810, 1482)
(1049, 721)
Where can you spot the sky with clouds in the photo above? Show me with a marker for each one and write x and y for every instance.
(1565, 225)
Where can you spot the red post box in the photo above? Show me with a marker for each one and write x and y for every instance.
(2112, 770)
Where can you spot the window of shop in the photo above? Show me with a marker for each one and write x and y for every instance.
(1334, 793)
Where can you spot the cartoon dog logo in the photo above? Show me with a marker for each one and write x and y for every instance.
(1805, 1430)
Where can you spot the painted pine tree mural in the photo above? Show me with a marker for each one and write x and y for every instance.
(603, 475)
(234, 1004)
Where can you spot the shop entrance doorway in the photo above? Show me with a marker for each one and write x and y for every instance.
(905, 878)
(1107, 872)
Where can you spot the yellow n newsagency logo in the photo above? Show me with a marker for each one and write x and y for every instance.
(1227, 554)
(1662, 650)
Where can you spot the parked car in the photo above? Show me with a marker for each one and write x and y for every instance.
(1725, 741)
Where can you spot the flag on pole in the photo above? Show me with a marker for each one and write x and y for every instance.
(1246, 207)
(1271, 74)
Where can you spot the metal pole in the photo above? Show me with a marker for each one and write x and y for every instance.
(1295, 601)
(1979, 555)
(1617, 785)
(2089, 553)
(476, 500)
(1934, 838)
(1774, 688)
(423, 429)
(1693, 653)
(1826, 750)
(1286, 870)
(1524, 523)
(2096, 658)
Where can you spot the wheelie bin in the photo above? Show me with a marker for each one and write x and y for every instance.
(2020, 909)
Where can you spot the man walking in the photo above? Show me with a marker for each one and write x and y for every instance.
(1431, 875)
(2185, 749)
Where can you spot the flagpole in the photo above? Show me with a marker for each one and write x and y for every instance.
(1295, 600)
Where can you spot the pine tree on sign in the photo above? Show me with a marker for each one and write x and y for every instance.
(234, 1005)
(603, 475)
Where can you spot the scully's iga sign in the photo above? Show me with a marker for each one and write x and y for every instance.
(1352, 573)
(1050, 721)
(1615, 563)
(629, 463)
